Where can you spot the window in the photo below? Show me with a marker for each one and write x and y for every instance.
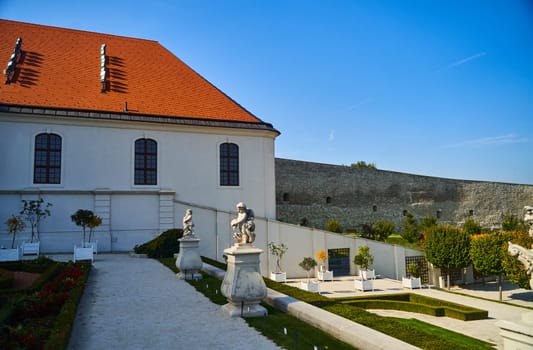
(145, 162)
(229, 164)
(47, 163)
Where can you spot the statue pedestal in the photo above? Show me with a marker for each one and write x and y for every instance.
(243, 284)
(517, 335)
(188, 260)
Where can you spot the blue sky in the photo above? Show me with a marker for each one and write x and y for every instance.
(437, 88)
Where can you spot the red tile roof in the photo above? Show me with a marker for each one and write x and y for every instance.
(60, 69)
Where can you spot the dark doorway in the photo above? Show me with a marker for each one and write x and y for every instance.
(339, 261)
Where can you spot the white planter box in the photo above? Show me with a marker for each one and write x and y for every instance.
(81, 253)
(278, 276)
(310, 286)
(368, 274)
(411, 282)
(10, 254)
(93, 245)
(364, 285)
(30, 248)
(325, 275)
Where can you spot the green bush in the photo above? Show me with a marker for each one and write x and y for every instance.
(333, 226)
(417, 303)
(163, 246)
(398, 305)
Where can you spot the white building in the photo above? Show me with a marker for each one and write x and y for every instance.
(124, 128)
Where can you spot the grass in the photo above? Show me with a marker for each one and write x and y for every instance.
(412, 331)
(275, 324)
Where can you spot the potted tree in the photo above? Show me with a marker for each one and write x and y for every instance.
(33, 212)
(308, 264)
(323, 272)
(278, 250)
(83, 218)
(93, 223)
(14, 224)
(364, 260)
(413, 278)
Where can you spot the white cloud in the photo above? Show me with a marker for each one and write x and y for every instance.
(493, 140)
(464, 60)
(331, 135)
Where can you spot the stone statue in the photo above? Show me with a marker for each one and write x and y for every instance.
(243, 226)
(188, 224)
(525, 256)
(528, 218)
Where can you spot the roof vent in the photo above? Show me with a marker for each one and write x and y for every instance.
(103, 69)
(12, 63)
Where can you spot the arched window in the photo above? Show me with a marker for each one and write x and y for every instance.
(145, 162)
(47, 163)
(229, 164)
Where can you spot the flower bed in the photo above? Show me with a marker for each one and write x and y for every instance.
(43, 318)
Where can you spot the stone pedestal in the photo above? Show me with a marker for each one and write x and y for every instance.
(517, 335)
(243, 284)
(188, 260)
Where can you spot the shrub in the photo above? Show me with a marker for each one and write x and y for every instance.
(363, 258)
(410, 228)
(163, 246)
(333, 226)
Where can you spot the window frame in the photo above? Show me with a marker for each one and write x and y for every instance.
(146, 168)
(228, 167)
(58, 164)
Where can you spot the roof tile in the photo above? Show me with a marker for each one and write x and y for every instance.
(60, 68)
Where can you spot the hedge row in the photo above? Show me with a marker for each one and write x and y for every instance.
(419, 304)
(60, 334)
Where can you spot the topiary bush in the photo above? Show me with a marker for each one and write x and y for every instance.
(163, 246)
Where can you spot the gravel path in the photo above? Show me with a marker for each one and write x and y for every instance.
(132, 303)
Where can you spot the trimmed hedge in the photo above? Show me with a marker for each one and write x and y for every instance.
(163, 246)
(419, 304)
(398, 305)
(60, 334)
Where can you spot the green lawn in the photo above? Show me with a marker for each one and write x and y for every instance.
(412, 331)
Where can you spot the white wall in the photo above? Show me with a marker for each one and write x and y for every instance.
(99, 155)
(97, 174)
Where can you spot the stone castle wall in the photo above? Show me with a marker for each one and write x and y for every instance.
(317, 192)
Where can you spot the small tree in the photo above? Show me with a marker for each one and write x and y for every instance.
(321, 256)
(428, 222)
(514, 269)
(513, 223)
(307, 264)
(94, 222)
(82, 217)
(487, 252)
(333, 226)
(410, 228)
(447, 247)
(472, 227)
(14, 224)
(362, 164)
(414, 269)
(278, 251)
(363, 259)
(33, 212)
(383, 229)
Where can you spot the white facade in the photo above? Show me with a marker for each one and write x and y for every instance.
(97, 168)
